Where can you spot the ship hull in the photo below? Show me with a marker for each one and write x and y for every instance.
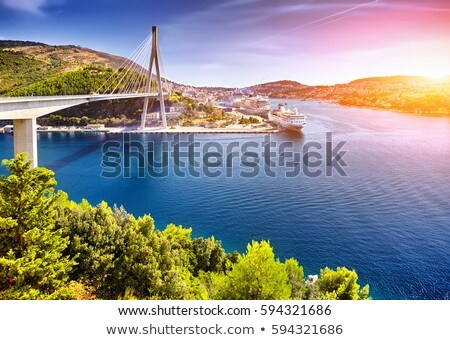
(247, 111)
(283, 125)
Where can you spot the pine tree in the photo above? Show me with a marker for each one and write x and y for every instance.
(256, 276)
(296, 278)
(341, 284)
(31, 261)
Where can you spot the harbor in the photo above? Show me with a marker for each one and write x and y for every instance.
(170, 130)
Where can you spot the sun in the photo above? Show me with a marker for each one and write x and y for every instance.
(430, 65)
(437, 74)
(438, 78)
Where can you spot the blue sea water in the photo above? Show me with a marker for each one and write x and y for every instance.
(389, 218)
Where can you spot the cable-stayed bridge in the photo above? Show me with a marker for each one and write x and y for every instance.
(130, 80)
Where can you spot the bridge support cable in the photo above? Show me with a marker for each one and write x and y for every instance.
(113, 79)
(135, 70)
(137, 82)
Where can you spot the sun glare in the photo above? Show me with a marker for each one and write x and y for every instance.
(438, 78)
(437, 73)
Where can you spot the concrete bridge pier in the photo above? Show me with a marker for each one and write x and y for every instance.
(25, 138)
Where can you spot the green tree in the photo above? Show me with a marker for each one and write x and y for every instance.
(123, 257)
(296, 278)
(256, 276)
(181, 244)
(341, 284)
(209, 255)
(95, 241)
(31, 261)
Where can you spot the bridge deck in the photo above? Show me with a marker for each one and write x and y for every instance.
(81, 96)
(34, 107)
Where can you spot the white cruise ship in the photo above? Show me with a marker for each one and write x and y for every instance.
(253, 105)
(287, 119)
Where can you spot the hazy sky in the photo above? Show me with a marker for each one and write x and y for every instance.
(243, 42)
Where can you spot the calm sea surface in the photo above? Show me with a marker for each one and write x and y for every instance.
(389, 218)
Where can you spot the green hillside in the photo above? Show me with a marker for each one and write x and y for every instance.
(23, 63)
(81, 81)
(17, 70)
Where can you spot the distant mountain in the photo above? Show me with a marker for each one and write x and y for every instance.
(411, 94)
(398, 79)
(19, 43)
(277, 88)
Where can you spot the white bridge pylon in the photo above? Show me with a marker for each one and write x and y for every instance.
(132, 77)
(154, 59)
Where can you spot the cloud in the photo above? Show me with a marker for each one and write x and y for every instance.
(419, 5)
(35, 7)
(253, 27)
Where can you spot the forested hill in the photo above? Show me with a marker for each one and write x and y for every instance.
(19, 43)
(278, 89)
(399, 93)
(23, 63)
